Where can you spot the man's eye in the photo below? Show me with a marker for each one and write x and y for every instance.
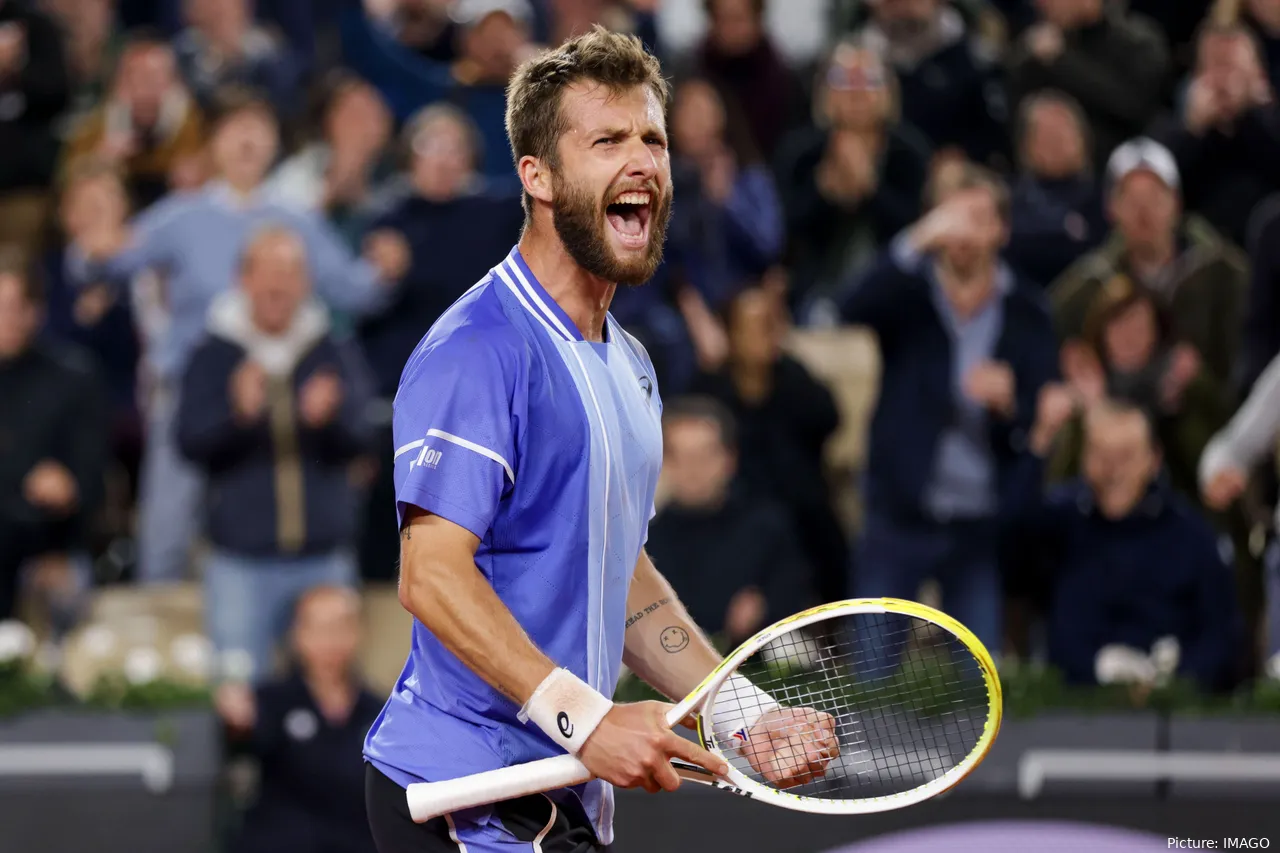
(606, 140)
(656, 140)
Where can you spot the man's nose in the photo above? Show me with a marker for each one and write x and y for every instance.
(642, 162)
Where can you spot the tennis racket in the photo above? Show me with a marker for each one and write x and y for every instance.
(913, 697)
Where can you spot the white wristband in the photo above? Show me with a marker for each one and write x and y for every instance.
(739, 704)
(566, 708)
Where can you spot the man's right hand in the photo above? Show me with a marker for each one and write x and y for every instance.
(633, 747)
(1055, 407)
(952, 220)
(1223, 488)
(248, 391)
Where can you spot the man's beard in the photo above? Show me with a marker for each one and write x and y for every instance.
(580, 221)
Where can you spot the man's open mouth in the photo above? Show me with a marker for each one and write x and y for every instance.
(629, 216)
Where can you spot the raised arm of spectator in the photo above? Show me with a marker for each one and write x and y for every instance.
(1250, 434)
(344, 280)
(1031, 511)
(212, 430)
(113, 251)
(875, 296)
(1207, 657)
(406, 80)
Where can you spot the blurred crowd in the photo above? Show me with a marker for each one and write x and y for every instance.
(227, 223)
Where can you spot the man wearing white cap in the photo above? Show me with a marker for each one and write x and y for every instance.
(1200, 276)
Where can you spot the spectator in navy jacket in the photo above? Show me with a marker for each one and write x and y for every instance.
(1134, 563)
(966, 346)
(306, 730)
(951, 89)
(273, 409)
(1057, 204)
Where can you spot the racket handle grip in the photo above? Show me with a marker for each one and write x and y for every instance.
(429, 800)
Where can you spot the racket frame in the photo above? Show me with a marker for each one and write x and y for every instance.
(429, 800)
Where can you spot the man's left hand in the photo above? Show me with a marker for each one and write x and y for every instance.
(320, 398)
(792, 746)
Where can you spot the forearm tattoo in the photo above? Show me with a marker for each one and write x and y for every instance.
(640, 614)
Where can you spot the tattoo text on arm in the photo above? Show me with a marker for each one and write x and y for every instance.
(640, 614)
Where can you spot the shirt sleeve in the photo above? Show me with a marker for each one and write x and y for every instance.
(456, 422)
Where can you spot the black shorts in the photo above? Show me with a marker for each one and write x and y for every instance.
(522, 820)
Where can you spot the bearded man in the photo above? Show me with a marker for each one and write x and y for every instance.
(528, 444)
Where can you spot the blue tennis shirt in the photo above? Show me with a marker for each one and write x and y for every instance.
(547, 447)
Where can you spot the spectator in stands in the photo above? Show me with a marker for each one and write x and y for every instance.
(149, 127)
(1115, 64)
(493, 37)
(99, 318)
(92, 44)
(1227, 132)
(1134, 562)
(1057, 205)
(1233, 453)
(731, 554)
(1263, 18)
(222, 46)
(728, 228)
(196, 239)
(739, 57)
(570, 18)
(335, 174)
(273, 412)
(950, 88)
(852, 181)
(306, 731)
(34, 89)
(784, 417)
(54, 447)
(457, 223)
(1199, 277)
(1131, 355)
(965, 346)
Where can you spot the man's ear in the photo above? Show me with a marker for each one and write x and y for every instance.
(535, 175)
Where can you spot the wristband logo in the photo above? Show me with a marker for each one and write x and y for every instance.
(562, 723)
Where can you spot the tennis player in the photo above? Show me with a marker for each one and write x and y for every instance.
(528, 443)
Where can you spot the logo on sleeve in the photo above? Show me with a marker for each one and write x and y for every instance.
(428, 458)
(646, 385)
(562, 722)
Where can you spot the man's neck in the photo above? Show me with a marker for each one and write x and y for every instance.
(583, 296)
(1148, 259)
(242, 190)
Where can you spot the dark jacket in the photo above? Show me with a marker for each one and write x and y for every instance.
(1262, 320)
(276, 487)
(52, 406)
(35, 97)
(312, 790)
(916, 403)
(1158, 572)
(1117, 69)
(766, 91)
(780, 455)
(1224, 176)
(1053, 223)
(827, 241)
(709, 555)
(454, 244)
(1204, 289)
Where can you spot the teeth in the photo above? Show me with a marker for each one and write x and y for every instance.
(633, 198)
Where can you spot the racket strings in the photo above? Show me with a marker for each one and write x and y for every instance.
(873, 704)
